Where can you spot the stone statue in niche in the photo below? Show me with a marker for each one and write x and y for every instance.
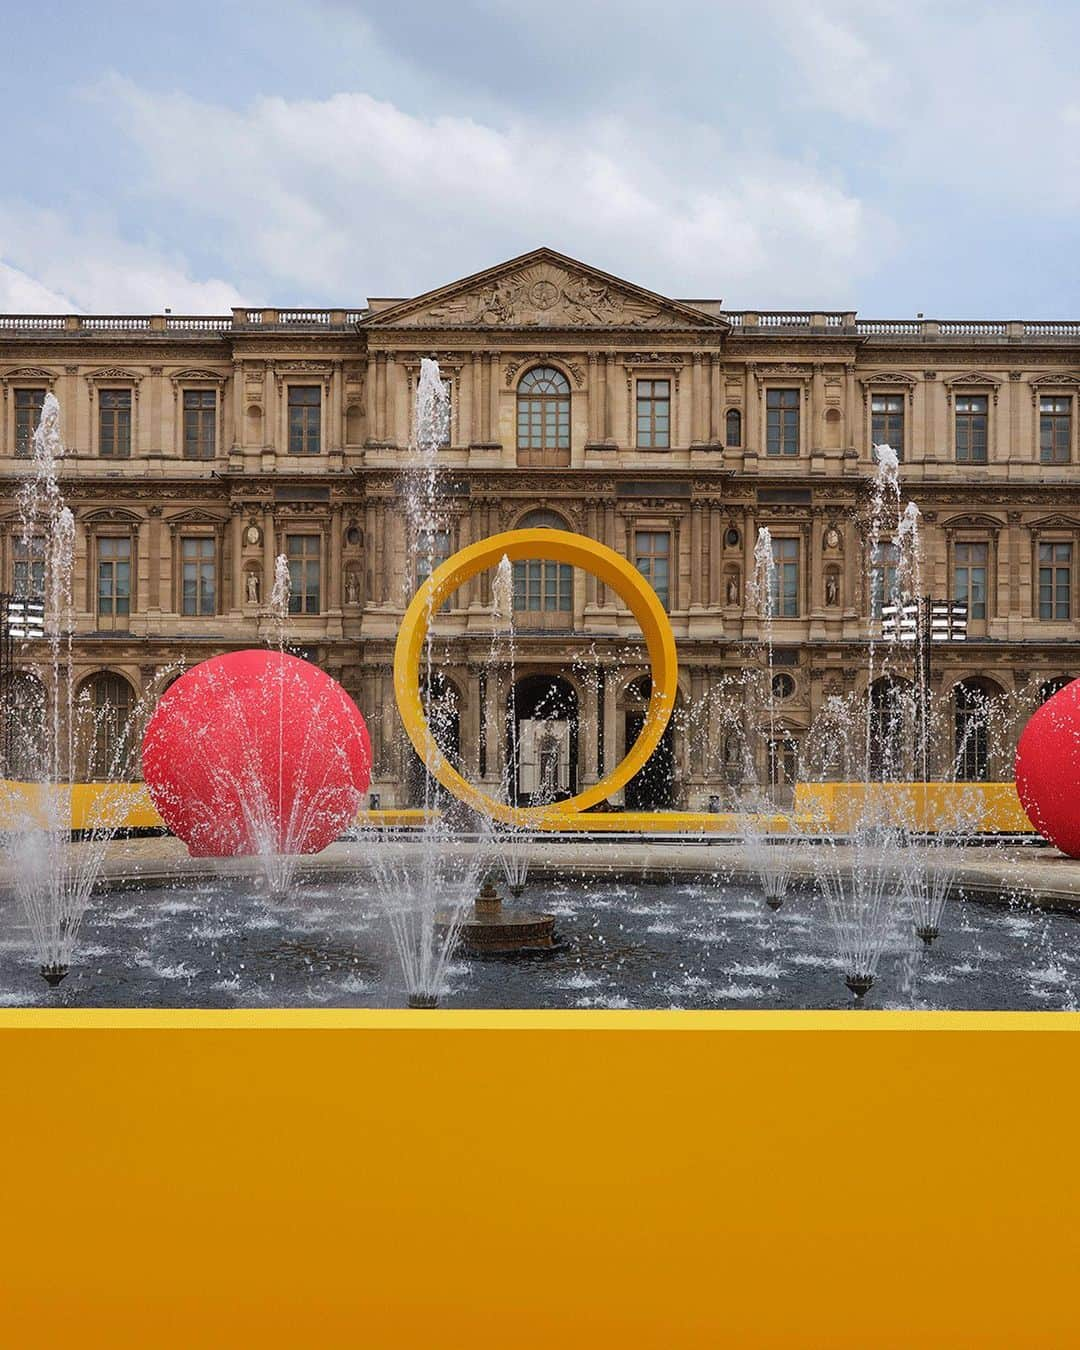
(733, 589)
(253, 588)
(352, 588)
(832, 589)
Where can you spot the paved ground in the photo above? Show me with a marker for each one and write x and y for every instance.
(1041, 875)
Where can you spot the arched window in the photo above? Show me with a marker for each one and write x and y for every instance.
(892, 715)
(23, 739)
(106, 727)
(733, 427)
(543, 591)
(543, 417)
(1049, 688)
(974, 702)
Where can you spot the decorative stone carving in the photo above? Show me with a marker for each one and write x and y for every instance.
(550, 292)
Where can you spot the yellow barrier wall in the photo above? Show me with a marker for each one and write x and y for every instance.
(994, 807)
(536, 1180)
(998, 808)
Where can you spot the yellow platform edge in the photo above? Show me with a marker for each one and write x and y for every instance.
(994, 809)
(637, 1180)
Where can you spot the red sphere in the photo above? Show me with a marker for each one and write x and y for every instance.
(1048, 769)
(256, 752)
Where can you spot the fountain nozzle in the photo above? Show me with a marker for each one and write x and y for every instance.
(774, 901)
(860, 985)
(927, 932)
(53, 974)
(423, 1001)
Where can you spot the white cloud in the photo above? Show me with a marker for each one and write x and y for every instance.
(21, 294)
(53, 264)
(336, 197)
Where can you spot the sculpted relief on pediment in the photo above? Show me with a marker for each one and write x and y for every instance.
(544, 295)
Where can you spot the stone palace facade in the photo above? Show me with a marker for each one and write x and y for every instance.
(198, 449)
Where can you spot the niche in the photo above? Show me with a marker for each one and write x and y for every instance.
(833, 424)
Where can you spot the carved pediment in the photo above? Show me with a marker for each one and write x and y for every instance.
(1058, 379)
(115, 515)
(194, 517)
(181, 376)
(113, 373)
(971, 379)
(973, 521)
(543, 289)
(29, 373)
(1055, 522)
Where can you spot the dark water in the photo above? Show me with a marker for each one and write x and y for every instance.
(636, 945)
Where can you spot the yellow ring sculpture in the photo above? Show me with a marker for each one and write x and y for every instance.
(558, 546)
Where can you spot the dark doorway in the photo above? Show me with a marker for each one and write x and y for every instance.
(542, 730)
(653, 788)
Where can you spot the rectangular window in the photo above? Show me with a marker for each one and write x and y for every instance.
(199, 576)
(782, 422)
(1055, 430)
(652, 558)
(114, 579)
(543, 587)
(304, 551)
(1055, 581)
(28, 571)
(114, 423)
(971, 422)
(200, 422)
(305, 418)
(654, 414)
(28, 405)
(785, 587)
(887, 421)
(884, 580)
(432, 548)
(969, 578)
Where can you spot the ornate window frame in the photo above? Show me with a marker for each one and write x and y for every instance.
(972, 382)
(1055, 384)
(788, 376)
(1055, 529)
(19, 377)
(113, 377)
(196, 524)
(195, 378)
(889, 382)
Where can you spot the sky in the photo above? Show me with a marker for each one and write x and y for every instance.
(891, 156)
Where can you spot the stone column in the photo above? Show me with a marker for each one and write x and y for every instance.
(269, 555)
(594, 398)
(371, 580)
(929, 392)
(494, 375)
(236, 545)
(476, 393)
(370, 386)
(238, 404)
(612, 740)
(333, 588)
(698, 425)
(716, 402)
(153, 594)
(716, 545)
(697, 555)
(610, 378)
(591, 507)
